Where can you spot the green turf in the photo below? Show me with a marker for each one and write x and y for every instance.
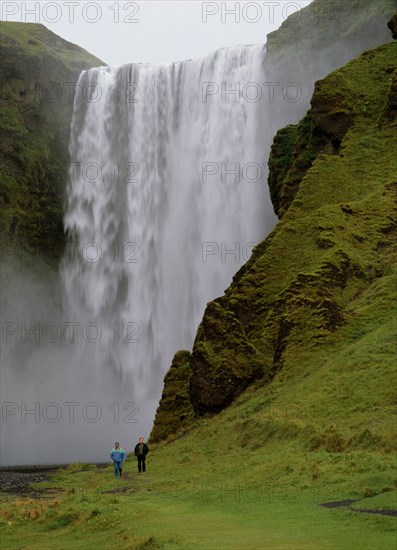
(218, 505)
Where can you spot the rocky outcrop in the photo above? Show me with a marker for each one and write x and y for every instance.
(175, 410)
(392, 24)
(391, 111)
(295, 148)
(38, 73)
(223, 361)
(326, 36)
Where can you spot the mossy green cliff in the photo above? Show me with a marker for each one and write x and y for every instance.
(315, 304)
(38, 72)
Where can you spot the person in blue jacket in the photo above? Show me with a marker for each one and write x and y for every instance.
(117, 455)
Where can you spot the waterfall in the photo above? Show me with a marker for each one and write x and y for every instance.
(166, 198)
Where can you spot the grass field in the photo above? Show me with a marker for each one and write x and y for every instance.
(209, 502)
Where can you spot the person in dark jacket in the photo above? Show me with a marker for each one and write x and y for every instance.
(141, 450)
(117, 455)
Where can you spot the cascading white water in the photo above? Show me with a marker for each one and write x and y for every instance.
(157, 228)
(159, 225)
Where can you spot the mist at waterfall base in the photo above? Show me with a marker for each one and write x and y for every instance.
(157, 227)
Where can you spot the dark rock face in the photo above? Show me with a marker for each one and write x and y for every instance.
(295, 148)
(334, 122)
(392, 24)
(326, 35)
(391, 109)
(280, 163)
(175, 410)
(223, 361)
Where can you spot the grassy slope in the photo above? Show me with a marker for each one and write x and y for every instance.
(34, 133)
(36, 41)
(323, 428)
(192, 499)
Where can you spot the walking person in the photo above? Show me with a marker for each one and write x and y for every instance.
(141, 450)
(117, 455)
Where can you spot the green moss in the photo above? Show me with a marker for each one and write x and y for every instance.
(280, 162)
(335, 103)
(293, 152)
(175, 411)
(223, 361)
(11, 121)
(317, 40)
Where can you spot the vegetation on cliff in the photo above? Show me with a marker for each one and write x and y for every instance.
(38, 72)
(176, 408)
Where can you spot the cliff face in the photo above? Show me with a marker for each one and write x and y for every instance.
(38, 72)
(322, 283)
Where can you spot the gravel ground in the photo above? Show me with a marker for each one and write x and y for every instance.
(17, 481)
(346, 505)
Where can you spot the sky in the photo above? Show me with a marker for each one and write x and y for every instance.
(120, 32)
